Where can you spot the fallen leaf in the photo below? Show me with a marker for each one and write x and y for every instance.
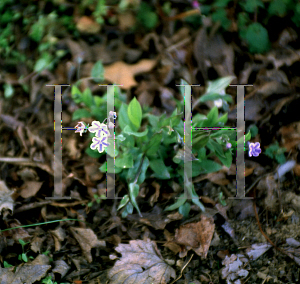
(123, 74)
(24, 274)
(87, 240)
(141, 262)
(31, 188)
(88, 25)
(196, 236)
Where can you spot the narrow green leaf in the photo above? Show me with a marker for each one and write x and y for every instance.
(134, 192)
(123, 202)
(129, 131)
(180, 201)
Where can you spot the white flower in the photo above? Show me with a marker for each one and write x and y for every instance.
(100, 143)
(100, 129)
(80, 127)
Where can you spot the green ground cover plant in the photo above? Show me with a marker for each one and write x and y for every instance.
(151, 146)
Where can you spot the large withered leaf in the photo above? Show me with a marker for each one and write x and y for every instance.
(141, 263)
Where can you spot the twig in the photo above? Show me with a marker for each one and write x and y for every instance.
(183, 269)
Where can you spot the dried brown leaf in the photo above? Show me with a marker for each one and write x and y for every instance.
(24, 274)
(87, 240)
(31, 188)
(123, 74)
(141, 262)
(196, 236)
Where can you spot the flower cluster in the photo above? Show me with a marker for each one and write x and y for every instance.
(101, 132)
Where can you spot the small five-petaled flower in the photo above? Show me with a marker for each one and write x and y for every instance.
(100, 143)
(99, 128)
(254, 149)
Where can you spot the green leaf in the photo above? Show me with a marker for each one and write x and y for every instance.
(280, 158)
(212, 116)
(87, 97)
(251, 5)
(93, 153)
(37, 30)
(98, 100)
(104, 167)
(220, 15)
(221, 3)
(81, 113)
(152, 147)
(76, 94)
(133, 171)
(128, 143)
(129, 208)
(123, 202)
(133, 193)
(227, 160)
(24, 257)
(159, 169)
(217, 147)
(210, 166)
(247, 138)
(6, 264)
(129, 131)
(45, 62)
(278, 8)
(112, 151)
(123, 116)
(180, 201)
(184, 209)
(98, 71)
(125, 161)
(296, 16)
(146, 16)
(257, 38)
(135, 113)
(215, 96)
(8, 91)
(253, 130)
(219, 85)
(153, 119)
(22, 243)
(199, 140)
(197, 169)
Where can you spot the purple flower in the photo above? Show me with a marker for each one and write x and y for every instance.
(228, 145)
(254, 149)
(195, 4)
